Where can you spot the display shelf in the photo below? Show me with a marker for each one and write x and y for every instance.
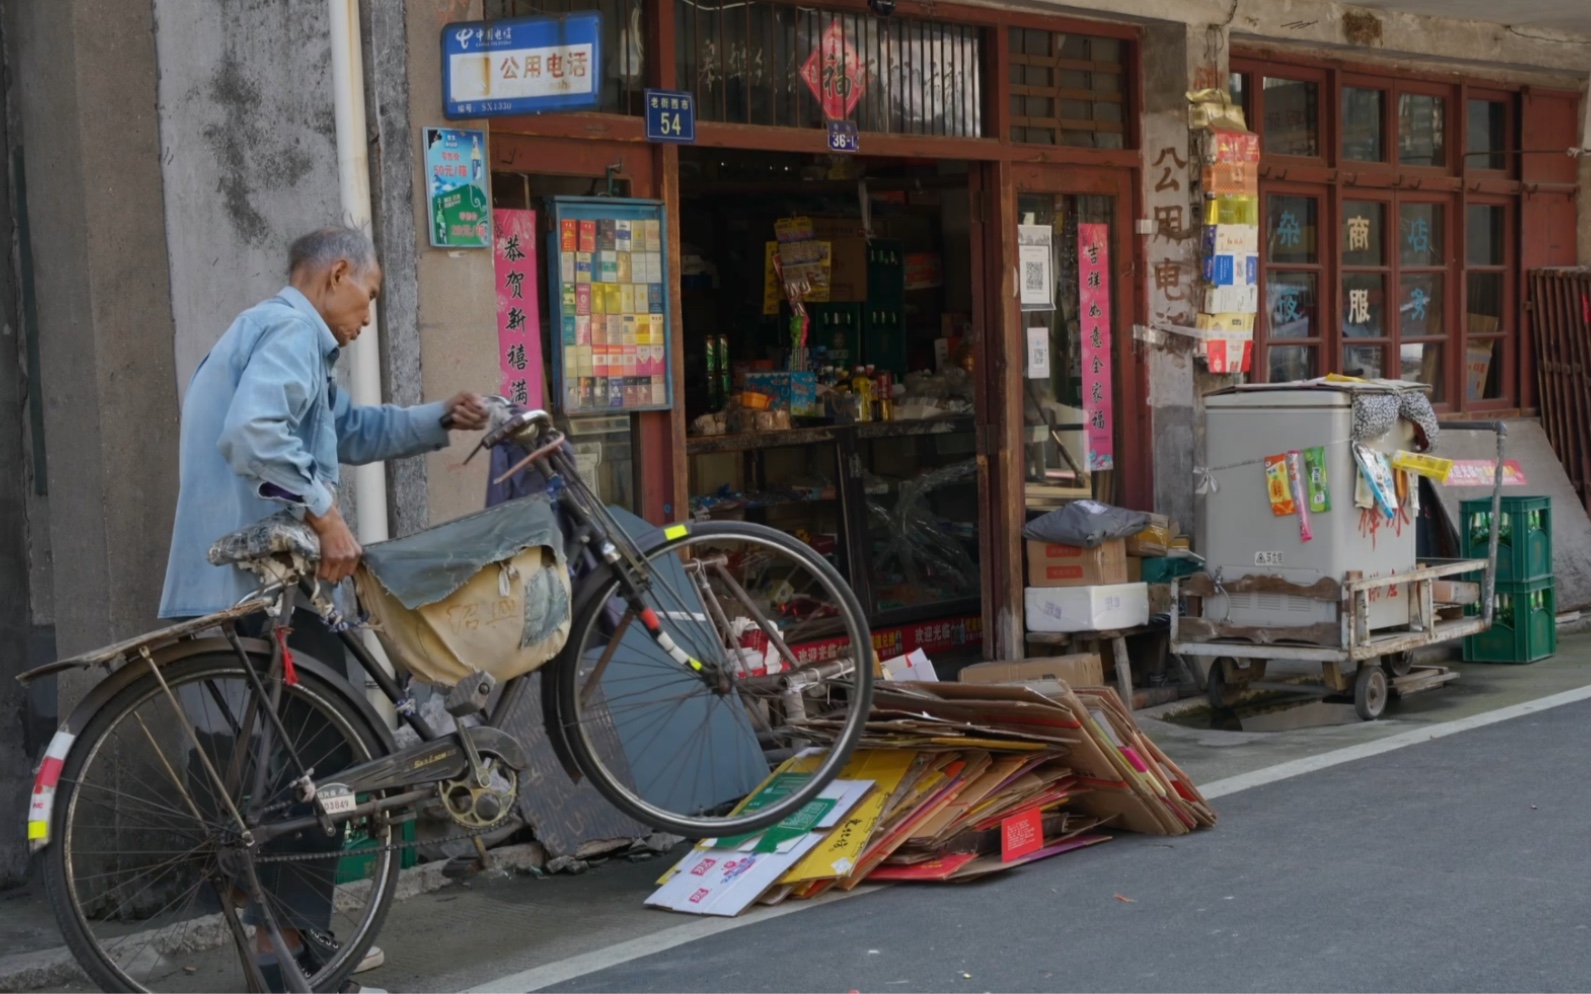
(880, 544)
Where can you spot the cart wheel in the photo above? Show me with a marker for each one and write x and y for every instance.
(1222, 695)
(1398, 664)
(1370, 692)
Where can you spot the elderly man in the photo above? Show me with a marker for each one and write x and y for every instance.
(264, 425)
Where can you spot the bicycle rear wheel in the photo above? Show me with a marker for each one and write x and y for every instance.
(144, 872)
(778, 658)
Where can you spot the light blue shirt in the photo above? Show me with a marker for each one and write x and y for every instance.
(264, 425)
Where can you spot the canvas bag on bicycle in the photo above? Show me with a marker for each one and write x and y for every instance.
(487, 592)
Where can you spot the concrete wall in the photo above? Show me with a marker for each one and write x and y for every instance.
(104, 310)
(14, 614)
(456, 309)
(249, 154)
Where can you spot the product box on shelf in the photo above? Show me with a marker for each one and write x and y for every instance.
(796, 392)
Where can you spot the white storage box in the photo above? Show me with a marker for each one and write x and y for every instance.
(1087, 609)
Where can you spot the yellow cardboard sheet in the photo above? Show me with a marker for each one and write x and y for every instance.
(837, 854)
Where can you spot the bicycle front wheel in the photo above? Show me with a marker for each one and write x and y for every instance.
(770, 654)
(148, 880)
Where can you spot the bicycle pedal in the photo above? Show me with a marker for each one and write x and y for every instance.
(469, 695)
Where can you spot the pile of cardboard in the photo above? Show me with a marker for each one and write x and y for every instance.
(950, 782)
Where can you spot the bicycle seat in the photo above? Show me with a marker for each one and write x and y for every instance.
(280, 534)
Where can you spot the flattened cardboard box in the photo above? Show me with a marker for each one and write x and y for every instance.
(1080, 670)
(1051, 564)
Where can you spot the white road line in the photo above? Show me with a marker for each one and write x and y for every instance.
(540, 977)
(1414, 736)
(564, 970)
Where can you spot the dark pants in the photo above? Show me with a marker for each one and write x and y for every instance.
(301, 892)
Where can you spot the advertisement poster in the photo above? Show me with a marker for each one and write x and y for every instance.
(608, 304)
(1093, 264)
(518, 323)
(461, 207)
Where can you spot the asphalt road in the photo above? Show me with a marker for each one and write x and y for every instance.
(1457, 864)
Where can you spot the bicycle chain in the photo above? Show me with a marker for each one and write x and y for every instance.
(376, 850)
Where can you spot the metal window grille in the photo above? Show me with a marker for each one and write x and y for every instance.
(774, 64)
(1068, 89)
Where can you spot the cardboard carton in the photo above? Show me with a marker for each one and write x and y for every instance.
(1080, 670)
(1236, 239)
(1232, 177)
(1231, 299)
(1152, 541)
(1051, 564)
(1224, 269)
(1086, 609)
(1225, 324)
(1135, 569)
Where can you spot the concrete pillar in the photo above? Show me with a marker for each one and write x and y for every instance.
(456, 305)
(15, 483)
(1185, 57)
(394, 158)
(91, 140)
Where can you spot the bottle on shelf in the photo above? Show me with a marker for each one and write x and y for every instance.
(862, 386)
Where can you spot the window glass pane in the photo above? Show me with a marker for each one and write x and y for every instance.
(1483, 369)
(1291, 235)
(1292, 305)
(1420, 233)
(1364, 360)
(1361, 125)
(1420, 306)
(1292, 362)
(1292, 117)
(1488, 135)
(1237, 86)
(1483, 235)
(1364, 225)
(1420, 127)
(1364, 305)
(1422, 363)
(1484, 310)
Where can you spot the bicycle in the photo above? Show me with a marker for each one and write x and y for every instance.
(214, 787)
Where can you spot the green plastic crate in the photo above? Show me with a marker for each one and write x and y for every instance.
(352, 868)
(1524, 536)
(1524, 626)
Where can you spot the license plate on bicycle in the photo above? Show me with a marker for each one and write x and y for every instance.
(335, 799)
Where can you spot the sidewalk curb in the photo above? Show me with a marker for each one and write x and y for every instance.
(55, 966)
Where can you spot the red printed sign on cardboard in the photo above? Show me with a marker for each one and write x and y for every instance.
(835, 74)
(1021, 834)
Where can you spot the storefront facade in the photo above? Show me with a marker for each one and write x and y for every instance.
(1039, 117)
(1400, 211)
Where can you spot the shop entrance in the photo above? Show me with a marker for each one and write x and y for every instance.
(853, 429)
(1077, 304)
(623, 455)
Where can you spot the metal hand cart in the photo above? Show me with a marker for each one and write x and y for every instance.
(1371, 664)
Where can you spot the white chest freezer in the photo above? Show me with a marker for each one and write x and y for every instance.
(1241, 535)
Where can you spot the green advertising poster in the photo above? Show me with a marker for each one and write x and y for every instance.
(461, 207)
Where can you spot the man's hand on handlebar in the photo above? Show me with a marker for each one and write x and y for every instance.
(339, 550)
(466, 412)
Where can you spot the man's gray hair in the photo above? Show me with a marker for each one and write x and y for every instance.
(326, 246)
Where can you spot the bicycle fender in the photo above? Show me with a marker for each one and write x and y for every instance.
(41, 805)
(585, 592)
